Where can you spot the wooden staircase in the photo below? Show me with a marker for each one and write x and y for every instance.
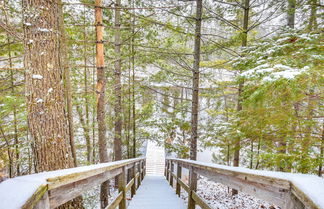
(155, 159)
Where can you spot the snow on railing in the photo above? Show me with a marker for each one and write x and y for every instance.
(286, 190)
(52, 189)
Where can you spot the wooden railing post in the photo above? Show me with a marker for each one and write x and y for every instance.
(132, 176)
(192, 187)
(171, 172)
(139, 174)
(143, 170)
(167, 169)
(179, 173)
(122, 188)
(144, 164)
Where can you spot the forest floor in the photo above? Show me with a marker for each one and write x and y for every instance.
(219, 196)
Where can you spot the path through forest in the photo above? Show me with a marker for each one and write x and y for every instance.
(155, 159)
(155, 192)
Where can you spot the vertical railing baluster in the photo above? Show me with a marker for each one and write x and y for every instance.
(167, 169)
(179, 173)
(142, 174)
(192, 187)
(171, 174)
(122, 188)
(144, 164)
(132, 176)
(139, 173)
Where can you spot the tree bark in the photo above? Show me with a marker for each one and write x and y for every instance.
(86, 133)
(195, 83)
(291, 13)
(118, 116)
(100, 90)
(67, 82)
(237, 147)
(312, 25)
(86, 126)
(44, 90)
(133, 81)
(14, 112)
(3, 175)
(320, 167)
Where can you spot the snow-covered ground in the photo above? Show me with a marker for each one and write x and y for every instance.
(219, 196)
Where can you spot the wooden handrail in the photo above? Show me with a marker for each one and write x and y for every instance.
(286, 190)
(51, 189)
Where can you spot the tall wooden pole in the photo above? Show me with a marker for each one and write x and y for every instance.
(100, 90)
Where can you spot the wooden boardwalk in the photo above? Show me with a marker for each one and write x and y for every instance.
(156, 193)
(48, 190)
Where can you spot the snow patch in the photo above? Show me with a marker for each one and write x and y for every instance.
(43, 30)
(36, 76)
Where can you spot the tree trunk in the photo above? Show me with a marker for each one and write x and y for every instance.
(133, 99)
(291, 13)
(320, 167)
(86, 126)
(94, 141)
(100, 90)
(67, 81)
(237, 147)
(44, 90)
(3, 175)
(195, 84)
(86, 133)
(118, 116)
(312, 25)
(133, 81)
(14, 112)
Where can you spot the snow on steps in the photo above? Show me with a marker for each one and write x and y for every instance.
(155, 159)
(156, 193)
